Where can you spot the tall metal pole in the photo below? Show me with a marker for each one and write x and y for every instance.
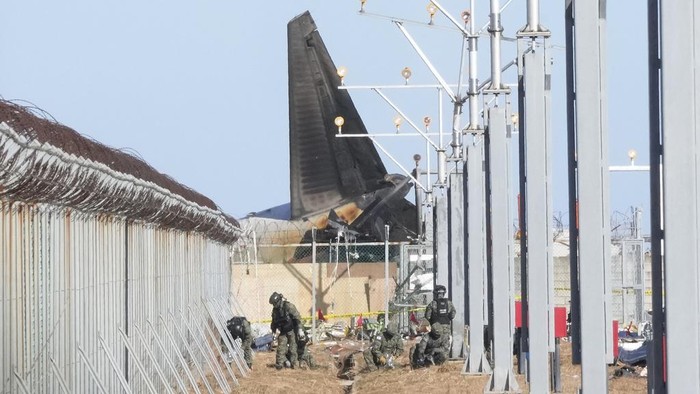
(575, 302)
(474, 125)
(386, 274)
(593, 172)
(680, 92)
(655, 378)
(502, 379)
(313, 285)
(496, 31)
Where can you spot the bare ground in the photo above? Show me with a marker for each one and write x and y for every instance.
(265, 379)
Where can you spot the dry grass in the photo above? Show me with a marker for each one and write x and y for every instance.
(445, 379)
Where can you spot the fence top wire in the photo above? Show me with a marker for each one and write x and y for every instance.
(66, 168)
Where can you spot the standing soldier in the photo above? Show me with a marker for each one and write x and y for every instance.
(441, 310)
(432, 349)
(239, 327)
(286, 319)
(386, 346)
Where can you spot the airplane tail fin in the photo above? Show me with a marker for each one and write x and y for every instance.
(325, 170)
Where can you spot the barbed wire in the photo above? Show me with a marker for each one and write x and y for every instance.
(42, 161)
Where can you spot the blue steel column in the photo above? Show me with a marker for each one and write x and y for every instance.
(502, 379)
(592, 195)
(476, 362)
(680, 96)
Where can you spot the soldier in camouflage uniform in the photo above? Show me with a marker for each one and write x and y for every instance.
(441, 310)
(387, 345)
(303, 353)
(433, 348)
(287, 320)
(239, 327)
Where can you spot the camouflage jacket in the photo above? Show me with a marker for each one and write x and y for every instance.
(429, 344)
(441, 311)
(392, 346)
(285, 318)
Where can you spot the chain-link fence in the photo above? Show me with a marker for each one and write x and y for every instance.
(350, 278)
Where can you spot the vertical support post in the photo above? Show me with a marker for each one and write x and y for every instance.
(476, 362)
(502, 379)
(440, 238)
(456, 273)
(591, 140)
(556, 370)
(386, 275)
(575, 302)
(419, 204)
(538, 216)
(680, 117)
(655, 378)
(313, 285)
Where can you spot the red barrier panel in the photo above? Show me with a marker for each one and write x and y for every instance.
(518, 314)
(559, 322)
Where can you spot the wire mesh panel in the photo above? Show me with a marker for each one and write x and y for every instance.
(350, 279)
(628, 283)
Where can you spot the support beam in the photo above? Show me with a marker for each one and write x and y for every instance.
(457, 290)
(538, 216)
(655, 379)
(440, 238)
(680, 95)
(592, 166)
(476, 362)
(500, 259)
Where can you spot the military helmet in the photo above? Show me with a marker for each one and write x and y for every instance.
(440, 291)
(275, 298)
(390, 329)
(435, 328)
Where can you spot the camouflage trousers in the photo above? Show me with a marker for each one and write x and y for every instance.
(246, 344)
(286, 343)
(446, 330)
(370, 360)
(306, 358)
(438, 356)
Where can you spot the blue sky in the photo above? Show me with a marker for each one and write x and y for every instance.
(199, 88)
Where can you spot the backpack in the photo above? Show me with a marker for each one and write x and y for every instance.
(235, 326)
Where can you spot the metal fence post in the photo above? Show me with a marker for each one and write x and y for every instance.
(386, 275)
(313, 285)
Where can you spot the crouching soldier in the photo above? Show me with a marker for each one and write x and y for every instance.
(287, 320)
(432, 349)
(239, 327)
(385, 347)
(303, 353)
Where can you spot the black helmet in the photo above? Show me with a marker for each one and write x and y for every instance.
(440, 291)
(390, 329)
(275, 298)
